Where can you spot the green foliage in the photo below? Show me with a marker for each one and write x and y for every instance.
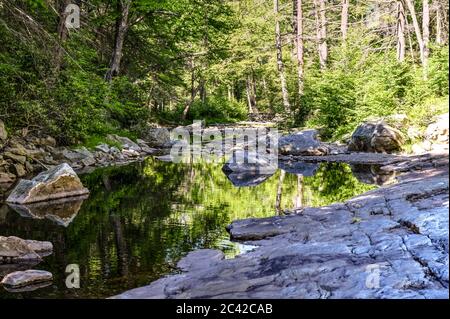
(217, 110)
(356, 87)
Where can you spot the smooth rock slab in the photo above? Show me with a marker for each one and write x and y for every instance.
(28, 277)
(58, 182)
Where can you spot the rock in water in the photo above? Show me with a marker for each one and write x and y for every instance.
(251, 162)
(27, 277)
(16, 249)
(376, 137)
(58, 182)
(302, 143)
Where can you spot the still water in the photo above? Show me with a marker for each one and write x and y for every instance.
(140, 219)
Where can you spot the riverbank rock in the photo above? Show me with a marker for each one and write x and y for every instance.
(14, 249)
(125, 142)
(302, 143)
(250, 162)
(377, 137)
(28, 277)
(435, 137)
(158, 136)
(439, 130)
(58, 182)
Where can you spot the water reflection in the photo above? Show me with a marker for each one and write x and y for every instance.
(372, 174)
(140, 219)
(60, 211)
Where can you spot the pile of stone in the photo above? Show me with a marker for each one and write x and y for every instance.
(24, 154)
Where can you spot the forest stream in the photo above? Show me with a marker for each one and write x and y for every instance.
(140, 219)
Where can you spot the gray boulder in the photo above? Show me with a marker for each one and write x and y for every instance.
(15, 249)
(250, 162)
(157, 137)
(77, 154)
(58, 182)
(102, 148)
(27, 277)
(376, 137)
(125, 142)
(302, 143)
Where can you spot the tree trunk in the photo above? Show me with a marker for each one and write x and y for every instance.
(344, 19)
(412, 12)
(401, 43)
(121, 29)
(321, 31)
(300, 46)
(249, 99)
(280, 66)
(253, 91)
(279, 193)
(426, 33)
(62, 34)
(299, 197)
(437, 8)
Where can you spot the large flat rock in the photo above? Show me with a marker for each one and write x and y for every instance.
(391, 242)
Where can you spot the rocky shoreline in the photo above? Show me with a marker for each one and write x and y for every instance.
(391, 242)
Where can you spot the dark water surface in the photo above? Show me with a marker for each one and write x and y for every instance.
(140, 219)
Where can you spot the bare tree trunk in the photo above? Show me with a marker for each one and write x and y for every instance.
(410, 43)
(280, 66)
(299, 197)
(344, 19)
(254, 92)
(249, 98)
(62, 34)
(437, 8)
(401, 43)
(412, 12)
(279, 193)
(426, 33)
(321, 30)
(300, 47)
(121, 29)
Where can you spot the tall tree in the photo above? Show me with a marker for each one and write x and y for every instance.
(299, 45)
(321, 31)
(401, 43)
(412, 12)
(437, 8)
(344, 18)
(62, 33)
(280, 65)
(426, 32)
(123, 8)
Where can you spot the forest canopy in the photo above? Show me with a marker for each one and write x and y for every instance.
(323, 63)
